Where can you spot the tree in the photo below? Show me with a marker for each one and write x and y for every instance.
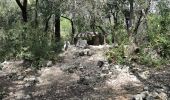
(23, 8)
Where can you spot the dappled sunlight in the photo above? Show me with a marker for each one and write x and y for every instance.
(54, 74)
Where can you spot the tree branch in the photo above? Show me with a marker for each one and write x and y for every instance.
(25, 4)
(66, 18)
(19, 3)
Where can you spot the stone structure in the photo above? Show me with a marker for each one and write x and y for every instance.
(93, 38)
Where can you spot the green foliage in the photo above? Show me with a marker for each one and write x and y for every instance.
(115, 56)
(158, 30)
(65, 29)
(26, 42)
(146, 59)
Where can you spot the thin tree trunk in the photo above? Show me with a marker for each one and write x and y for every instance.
(143, 13)
(131, 17)
(138, 23)
(131, 12)
(46, 23)
(36, 14)
(57, 28)
(23, 9)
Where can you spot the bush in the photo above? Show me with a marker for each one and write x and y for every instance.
(26, 42)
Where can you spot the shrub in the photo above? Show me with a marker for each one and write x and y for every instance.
(26, 42)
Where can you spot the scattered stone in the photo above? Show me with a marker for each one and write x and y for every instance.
(141, 96)
(81, 53)
(27, 63)
(66, 45)
(27, 97)
(105, 70)
(144, 75)
(151, 96)
(70, 70)
(83, 81)
(146, 88)
(28, 70)
(20, 77)
(154, 95)
(117, 67)
(31, 79)
(100, 63)
(89, 53)
(11, 93)
(27, 85)
(162, 96)
(49, 63)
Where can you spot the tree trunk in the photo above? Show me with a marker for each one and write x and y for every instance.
(24, 15)
(131, 17)
(23, 9)
(73, 31)
(36, 14)
(57, 28)
(46, 23)
(138, 23)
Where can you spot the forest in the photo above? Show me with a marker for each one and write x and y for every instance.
(84, 49)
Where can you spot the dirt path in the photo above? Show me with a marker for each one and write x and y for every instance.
(76, 77)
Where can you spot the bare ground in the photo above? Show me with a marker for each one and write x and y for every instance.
(77, 77)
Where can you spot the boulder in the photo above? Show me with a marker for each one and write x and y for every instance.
(130, 49)
(82, 43)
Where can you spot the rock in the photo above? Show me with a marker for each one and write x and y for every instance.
(105, 71)
(144, 75)
(162, 96)
(27, 97)
(154, 94)
(70, 70)
(28, 70)
(20, 77)
(31, 79)
(100, 63)
(82, 43)
(141, 96)
(81, 53)
(117, 67)
(27, 63)
(49, 63)
(27, 85)
(138, 97)
(146, 88)
(89, 53)
(83, 81)
(66, 45)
